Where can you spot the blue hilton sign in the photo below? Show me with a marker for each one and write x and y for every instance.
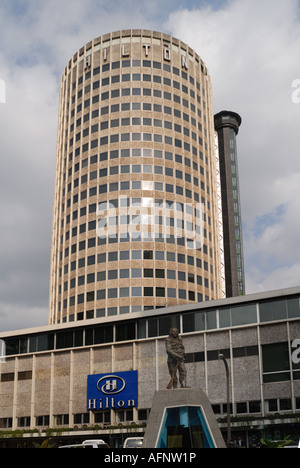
(117, 390)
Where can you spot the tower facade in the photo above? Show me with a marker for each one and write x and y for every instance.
(135, 220)
(227, 126)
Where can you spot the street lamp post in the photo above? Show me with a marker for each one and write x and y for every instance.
(222, 357)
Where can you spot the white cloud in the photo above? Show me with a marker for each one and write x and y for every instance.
(271, 243)
(27, 148)
(281, 278)
(250, 48)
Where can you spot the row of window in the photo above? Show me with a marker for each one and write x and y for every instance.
(137, 63)
(133, 225)
(134, 137)
(63, 420)
(158, 255)
(135, 236)
(132, 121)
(136, 92)
(113, 311)
(276, 362)
(133, 273)
(135, 121)
(143, 169)
(255, 407)
(277, 366)
(244, 315)
(144, 185)
(127, 153)
(136, 106)
(158, 204)
(276, 357)
(146, 107)
(191, 244)
(138, 77)
(138, 152)
(141, 219)
(134, 169)
(104, 417)
(130, 205)
(132, 292)
(274, 405)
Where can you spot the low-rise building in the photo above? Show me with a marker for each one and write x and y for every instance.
(86, 378)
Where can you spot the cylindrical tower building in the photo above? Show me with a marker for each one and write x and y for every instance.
(227, 126)
(135, 222)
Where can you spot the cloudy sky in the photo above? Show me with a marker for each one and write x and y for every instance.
(252, 50)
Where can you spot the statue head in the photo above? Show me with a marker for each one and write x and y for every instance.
(174, 333)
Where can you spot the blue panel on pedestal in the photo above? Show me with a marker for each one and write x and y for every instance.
(184, 427)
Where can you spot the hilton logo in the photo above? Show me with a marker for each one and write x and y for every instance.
(112, 385)
(112, 391)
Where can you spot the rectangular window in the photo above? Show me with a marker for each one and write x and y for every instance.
(113, 256)
(90, 296)
(124, 292)
(244, 315)
(125, 332)
(172, 293)
(160, 292)
(101, 294)
(136, 292)
(112, 293)
(166, 323)
(148, 292)
(136, 273)
(276, 363)
(181, 258)
(148, 255)
(194, 322)
(293, 308)
(275, 310)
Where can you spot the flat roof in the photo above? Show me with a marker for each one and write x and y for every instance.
(217, 304)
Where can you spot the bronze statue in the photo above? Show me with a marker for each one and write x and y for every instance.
(176, 355)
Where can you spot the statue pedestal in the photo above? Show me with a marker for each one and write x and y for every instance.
(182, 418)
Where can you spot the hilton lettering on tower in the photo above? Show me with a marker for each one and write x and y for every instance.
(125, 53)
(112, 391)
